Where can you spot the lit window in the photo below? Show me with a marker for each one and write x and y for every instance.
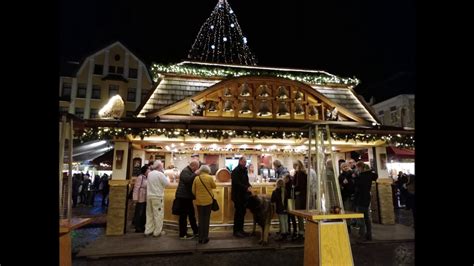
(131, 94)
(81, 91)
(66, 90)
(79, 112)
(132, 73)
(96, 92)
(94, 113)
(113, 90)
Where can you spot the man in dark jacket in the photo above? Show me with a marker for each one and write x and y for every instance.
(347, 185)
(363, 184)
(346, 182)
(104, 184)
(76, 182)
(184, 199)
(241, 190)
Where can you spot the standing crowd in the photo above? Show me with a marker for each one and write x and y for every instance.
(85, 190)
(196, 184)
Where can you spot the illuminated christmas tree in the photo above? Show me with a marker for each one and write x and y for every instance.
(220, 39)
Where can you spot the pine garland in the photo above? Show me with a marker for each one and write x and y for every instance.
(320, 78)
(101, 133)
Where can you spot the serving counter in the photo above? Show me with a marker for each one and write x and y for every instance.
(222, 194)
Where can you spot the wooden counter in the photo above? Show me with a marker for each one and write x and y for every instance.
(326, 240)
(65, 228)
(222, 194)
(315, 215)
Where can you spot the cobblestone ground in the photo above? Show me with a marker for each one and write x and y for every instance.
(404, 217)
(372, 253)
(82, 237)
(364, 254)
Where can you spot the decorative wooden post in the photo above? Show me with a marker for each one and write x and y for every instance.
(66, 225)
(116, 210)
(326, 241)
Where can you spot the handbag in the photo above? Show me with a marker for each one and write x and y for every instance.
(130, 193)
(175, 209)
(215, 205)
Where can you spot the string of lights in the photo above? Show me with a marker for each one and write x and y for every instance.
(398, 140)
(319, 78)
(221, 40)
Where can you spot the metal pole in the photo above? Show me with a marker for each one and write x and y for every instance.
(62, 136)
(334, 167)
(318, 170)
(323, 169)
(308, 176)
(69, 195)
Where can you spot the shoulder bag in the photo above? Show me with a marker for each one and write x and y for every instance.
(215, 205)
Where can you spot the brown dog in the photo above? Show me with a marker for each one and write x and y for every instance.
(262, 211)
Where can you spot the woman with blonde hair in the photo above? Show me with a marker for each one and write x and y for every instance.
(299, 166)
(202, 190)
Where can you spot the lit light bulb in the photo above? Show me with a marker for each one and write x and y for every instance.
(232, 25)
(231, 11)
(212, 27)
(245, 39)
(213, 46)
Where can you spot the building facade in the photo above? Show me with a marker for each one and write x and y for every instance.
(398, 111)
(110, 71)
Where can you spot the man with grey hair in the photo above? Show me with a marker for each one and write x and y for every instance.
(280, 170)
(241, 191)
(157, 181)
(195, 157)
(184, 200)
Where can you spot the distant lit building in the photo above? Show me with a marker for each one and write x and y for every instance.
(84, 88)
(397, 111)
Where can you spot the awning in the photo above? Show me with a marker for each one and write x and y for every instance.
(393, 152)
(89, 151)
(106, 158)
(399, 152)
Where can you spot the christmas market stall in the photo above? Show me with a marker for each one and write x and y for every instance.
(222, 112)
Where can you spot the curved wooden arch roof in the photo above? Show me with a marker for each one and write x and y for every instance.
(263, 80)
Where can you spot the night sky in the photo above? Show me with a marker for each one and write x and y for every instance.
(369, 39)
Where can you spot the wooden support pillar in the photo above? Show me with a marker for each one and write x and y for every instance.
(382, 200)
(117, 208)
